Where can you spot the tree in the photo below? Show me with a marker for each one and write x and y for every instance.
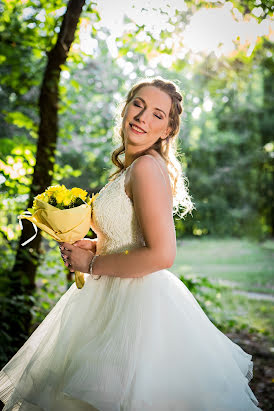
(23, 274)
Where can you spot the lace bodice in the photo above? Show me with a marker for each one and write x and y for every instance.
(114, 219)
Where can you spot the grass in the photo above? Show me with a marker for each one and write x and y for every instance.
(255, 314)
(248, 265)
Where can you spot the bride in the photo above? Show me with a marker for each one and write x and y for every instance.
(149, 119)
(135, 339)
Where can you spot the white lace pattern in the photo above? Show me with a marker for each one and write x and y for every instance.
(114, 219)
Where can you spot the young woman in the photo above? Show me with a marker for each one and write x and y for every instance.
(135, 339)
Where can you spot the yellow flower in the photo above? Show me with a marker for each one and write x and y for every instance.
(41, 197)
(58, 192)
(78, 192)
(58, 197)
(53, 189)
(34, 206)
(68, 199)
(62, 195)
(126, 252)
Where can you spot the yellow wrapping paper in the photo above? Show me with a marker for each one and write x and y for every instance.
(67, 225)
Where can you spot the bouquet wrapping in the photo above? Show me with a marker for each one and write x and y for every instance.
(63, 214)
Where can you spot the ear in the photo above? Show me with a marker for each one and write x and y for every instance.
(168, 131)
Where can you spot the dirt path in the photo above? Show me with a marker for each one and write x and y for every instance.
(250, 294)
(254, 296)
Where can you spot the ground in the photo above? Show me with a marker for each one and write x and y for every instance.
(261, 349)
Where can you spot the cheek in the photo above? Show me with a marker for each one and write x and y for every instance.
(130, 112)
(126, 116)
(159, 128)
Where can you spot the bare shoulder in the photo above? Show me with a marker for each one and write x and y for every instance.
(151, 170)
(143, 163)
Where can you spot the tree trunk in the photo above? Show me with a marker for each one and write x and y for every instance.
(27, 257)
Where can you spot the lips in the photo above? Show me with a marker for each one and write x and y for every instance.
(136, 128)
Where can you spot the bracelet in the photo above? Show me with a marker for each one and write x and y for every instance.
(95, 277)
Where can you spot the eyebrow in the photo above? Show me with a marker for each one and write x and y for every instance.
(155, 108)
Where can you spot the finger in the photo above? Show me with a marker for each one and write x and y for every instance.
(78, 241)
(68, 247)
(65, 253)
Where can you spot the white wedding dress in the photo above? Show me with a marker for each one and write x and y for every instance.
(132, 344)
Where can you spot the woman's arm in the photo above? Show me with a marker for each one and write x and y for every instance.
(153, 208)
(136, 263)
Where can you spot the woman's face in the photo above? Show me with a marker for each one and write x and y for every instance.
(146, 117)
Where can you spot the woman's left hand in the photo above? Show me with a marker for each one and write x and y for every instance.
(76, 258)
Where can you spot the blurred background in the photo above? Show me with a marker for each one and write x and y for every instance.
(64, 68)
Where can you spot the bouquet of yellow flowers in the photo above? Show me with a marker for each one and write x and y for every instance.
(62, 213)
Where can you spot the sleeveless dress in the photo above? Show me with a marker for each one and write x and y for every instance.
(127, 344)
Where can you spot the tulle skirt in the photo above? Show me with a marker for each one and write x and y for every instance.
(128, 344)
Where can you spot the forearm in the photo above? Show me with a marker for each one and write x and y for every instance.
(136, 263)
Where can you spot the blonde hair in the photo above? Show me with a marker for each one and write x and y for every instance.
(167, 148)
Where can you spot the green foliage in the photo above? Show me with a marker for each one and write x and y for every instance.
(12, 309)
(50, 280)
(205, 292)
(16, 166)
(228, 150)
(20, 120)
(228, 163)
(247, 264)
(218, 305)
(240, 312)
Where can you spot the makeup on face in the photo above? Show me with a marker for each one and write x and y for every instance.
(148, 111)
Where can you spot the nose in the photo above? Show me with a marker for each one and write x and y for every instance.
(141, 116)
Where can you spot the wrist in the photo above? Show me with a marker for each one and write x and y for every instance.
(91, 268)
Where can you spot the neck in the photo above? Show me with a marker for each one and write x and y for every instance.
(130, 157)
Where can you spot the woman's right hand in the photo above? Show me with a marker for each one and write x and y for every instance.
(87, 244)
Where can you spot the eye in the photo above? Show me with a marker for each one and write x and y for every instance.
(158, 117)
(136, 105)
